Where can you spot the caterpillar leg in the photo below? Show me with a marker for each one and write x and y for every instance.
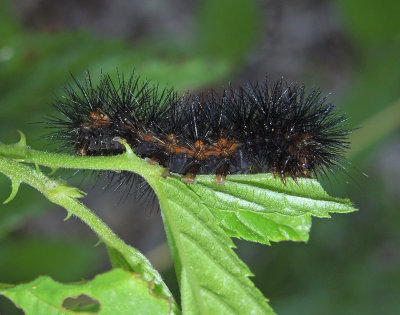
(221, 174)
(274, 171)
(151, 161)
(190, 173)
(283, 177)
(158, 158)
(82, 150)
(293, 174)
(166, 173)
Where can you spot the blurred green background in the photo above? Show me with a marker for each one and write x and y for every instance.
(351, 49)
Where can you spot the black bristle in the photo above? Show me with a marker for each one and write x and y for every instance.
(258, 128)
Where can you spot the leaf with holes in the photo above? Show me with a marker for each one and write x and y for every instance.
(114, 292)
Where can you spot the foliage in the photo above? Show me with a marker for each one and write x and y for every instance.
(350, 259)
(45, 296)
(211, 276)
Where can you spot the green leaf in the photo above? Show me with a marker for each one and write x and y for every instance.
(212, 278)
(261, 208)
(114, 292)
(264, 193)
(263, 227)
(255, 207)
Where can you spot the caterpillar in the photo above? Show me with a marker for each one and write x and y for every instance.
(258, 128)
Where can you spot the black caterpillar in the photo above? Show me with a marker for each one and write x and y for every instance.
(258, 128)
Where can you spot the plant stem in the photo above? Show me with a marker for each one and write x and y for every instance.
(65, 196)
(122, 162)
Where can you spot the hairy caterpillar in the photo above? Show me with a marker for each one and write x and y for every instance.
(258, 128)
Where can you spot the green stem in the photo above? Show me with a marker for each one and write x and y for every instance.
(123, 162)
(65, 197)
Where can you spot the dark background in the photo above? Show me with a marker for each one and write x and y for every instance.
(350, 49)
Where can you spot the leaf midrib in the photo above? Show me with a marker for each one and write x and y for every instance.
(193, 279)
(177, 235)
